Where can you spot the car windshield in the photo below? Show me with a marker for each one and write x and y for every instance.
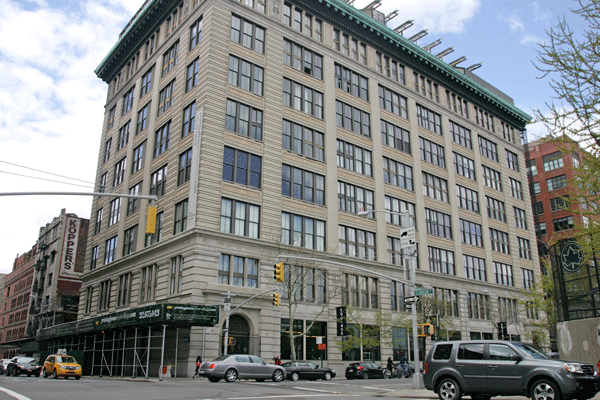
(531, 351)
(65, 359)
(26, 360)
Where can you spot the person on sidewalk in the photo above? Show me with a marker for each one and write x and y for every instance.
(198, 364)
(277, 360)
(390, 364)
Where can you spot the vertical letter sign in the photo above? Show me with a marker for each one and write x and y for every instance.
(340, 313)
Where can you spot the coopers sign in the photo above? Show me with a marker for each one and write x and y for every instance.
(69, 251)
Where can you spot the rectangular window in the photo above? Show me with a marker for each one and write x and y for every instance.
(124, 293)
(559, 203)
(395, 137)
(192, 75)
(474, 268)
(158, 181)
(492, 178)
(119, 174)
(104, 298)
(438, 223)
(393, 102)
(196, 33)
(353, 198)
(464, 166)
(146, 82)
(471, 233)
(512, 160)
(302, 185)
(241, 167)
(357, 243)
(432, 153)
(503, 274)
(528, 282)
(540, 228)
(110, 250)
(111, 116)
(499, 241)
(94, 258)
(189, 118)
(244, 120)
(461, 135)
(170, 58)
(123, 136)
(354, 158)
(520, 218)
(115, 211)
(538, 207)
(148, 282)
(396, 206)
(246, 75)
(468, 199)
(557, 182)
(240, 218)
(441, 261)
(496, 209)
(303, 140)
(98, 224)
(165, 97)
(353, 119)
(162, 139)
(531, 167)
(351, 82)
(516, 189)
(302, 59)
(435, 187)
(89, 293)
(240, 271)
(562, 224)
(185, 167)
(297, 230)
(524, 248)
(488, 149)
(107, 146)
(397, 174)
(138, 157)
(429, 120)
(142, 119)
(181, 213)
(302, 98)
(553, 161)
(133, 204)
(128, 101)
(176, 275)
(152, 238)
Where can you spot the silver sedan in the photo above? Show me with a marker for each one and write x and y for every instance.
(241, 366)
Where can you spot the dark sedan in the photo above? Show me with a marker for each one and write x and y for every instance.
(365, 370)
(23, 366)
(307, 370)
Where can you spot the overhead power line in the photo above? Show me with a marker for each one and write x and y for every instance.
(44, 172)
(47, 180)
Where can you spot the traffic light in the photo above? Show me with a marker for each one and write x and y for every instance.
(151, 220)
(275, 299)
(425, 329)
(231, 341)
(278, 272)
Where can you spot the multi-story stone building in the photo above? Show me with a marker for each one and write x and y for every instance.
(15, 304)
(264, 127)
(59, 266)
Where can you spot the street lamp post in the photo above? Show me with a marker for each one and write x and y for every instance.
(417, 377)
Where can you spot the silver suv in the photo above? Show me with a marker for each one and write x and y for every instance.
(483, 369)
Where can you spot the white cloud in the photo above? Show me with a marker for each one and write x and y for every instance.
(530, 39)
(438, 16)
(513, 22)
(51, 108)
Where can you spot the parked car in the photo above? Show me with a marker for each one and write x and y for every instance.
(23, 365)
(484, 369)
(3, 364)
(61, 365)
(241, 366)
(366, 370)
(307, 370)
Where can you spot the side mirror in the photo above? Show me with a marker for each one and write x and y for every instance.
(516, 357)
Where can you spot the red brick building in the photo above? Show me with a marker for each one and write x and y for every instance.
(15, 303)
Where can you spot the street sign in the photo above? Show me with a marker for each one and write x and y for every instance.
(407, 237)
(422, 291)
(227, 300)
(411, 299)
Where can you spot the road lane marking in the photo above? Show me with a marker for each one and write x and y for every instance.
(316, 390)
(301, 396)
(14, 394)
(377, 388)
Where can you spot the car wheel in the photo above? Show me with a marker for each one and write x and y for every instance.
(55, 374)
(214, 380)
(448, 389)
(37, 375)
(44, 373)
(387, 374)
(365, 376)
(77, 378)
(277, 375)
(295, 376)
(231, 375)
(545, 390)
(327, 376)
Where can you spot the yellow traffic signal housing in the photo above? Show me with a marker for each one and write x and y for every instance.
(278, 272)
(275, 299)
(231, 341)
(425, 329)
(151, 220)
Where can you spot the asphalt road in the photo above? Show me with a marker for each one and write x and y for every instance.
(23, 388)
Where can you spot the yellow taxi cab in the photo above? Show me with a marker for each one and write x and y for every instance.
(61, 365)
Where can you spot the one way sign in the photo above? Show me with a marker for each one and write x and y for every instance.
(407, 237)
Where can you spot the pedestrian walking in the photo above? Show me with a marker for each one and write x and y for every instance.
(198, 364)
(277, 360)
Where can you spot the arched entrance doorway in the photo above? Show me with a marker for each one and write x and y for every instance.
(239, 334)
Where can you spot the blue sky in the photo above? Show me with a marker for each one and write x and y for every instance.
(52, 104)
